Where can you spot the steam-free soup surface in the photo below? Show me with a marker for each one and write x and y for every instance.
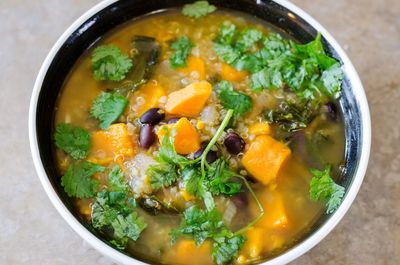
(283, 192)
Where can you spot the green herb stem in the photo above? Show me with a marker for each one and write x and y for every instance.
(217, 135)
(260, 207)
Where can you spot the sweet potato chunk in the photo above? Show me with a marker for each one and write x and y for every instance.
(185, 251)
(186, 139)
(195, 68)
(265, 157)
(146, 97)
(190, 100)
(260, 128)
(231, 74)
(275, 212)
(111, 145)
(255, 242)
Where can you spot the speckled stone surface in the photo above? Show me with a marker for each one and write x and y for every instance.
(32, 232)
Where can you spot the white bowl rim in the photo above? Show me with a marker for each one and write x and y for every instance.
(285, 257)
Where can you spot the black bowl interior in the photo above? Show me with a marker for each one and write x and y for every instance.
(125, 10)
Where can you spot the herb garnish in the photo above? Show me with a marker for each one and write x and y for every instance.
(107, 107)
(273, 62)
(239, 102)
(201, 225)
(109, 63)
(113, 208)
(182, 47)
(77, 181)
(73, 140)
(198, 9)
(323, 188)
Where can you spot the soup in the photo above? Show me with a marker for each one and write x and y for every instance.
(201, 136)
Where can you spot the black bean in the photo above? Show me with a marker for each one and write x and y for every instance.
(240, 200)
(153, 116)
(173, 120)
(211, 155)
(234, 143)
(331, 111)
(146, 136)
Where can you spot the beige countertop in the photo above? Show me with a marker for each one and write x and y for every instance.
(32, 232)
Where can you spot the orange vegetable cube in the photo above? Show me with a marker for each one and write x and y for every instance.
(189, 101)
(275, 215)
(260, 128)
(186, 252)
(255, 242)
(265, 157)
(111, 145)
(186, 140)
(146, 97)
(231, 74)
(195, 67)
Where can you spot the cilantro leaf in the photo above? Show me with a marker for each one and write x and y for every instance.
(323, 188)
(111, 210)
(275, 62)
(164, 173)
(73, 140)
(226, 245)
(116, 179)
(332, 78)
(198, 9)
(107, 107)
(219, 179)
(77, 181)
(109, 63)
(248, 38)
(182, 47)
(226, 34)
(227, 53)
(239, 102)
(202, 225)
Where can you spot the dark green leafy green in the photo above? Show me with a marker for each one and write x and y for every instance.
(202, 225)
(107, 107)
(77, 181)
(182, 47)
(146, 51)
(292, 115)
(73, 140)
(324, 189)
(198, 9)
(109, 63)
(239, 102)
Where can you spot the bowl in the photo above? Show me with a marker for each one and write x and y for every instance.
(111, 13)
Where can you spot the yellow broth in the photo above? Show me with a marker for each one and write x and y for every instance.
(290, 191)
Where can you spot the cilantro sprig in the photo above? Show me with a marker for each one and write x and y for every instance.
(77, 181)
(109, 63)
(73, 140)
(324, 189)
(198, 9)
(239, 102)
(108, 107)
(182, 47)
(202, 225)
(274, 62)
(114, 209)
